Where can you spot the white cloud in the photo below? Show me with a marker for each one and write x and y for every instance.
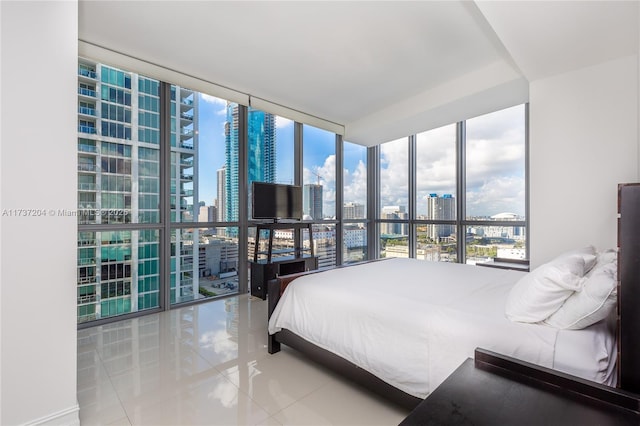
(494, 164)
(220, 104)
(325, 175)
(355, 184)
(212, 99)
(394, 165)
(499, 195)
(282, 122)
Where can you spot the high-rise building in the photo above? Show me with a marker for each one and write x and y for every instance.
(440, 208)
(261, 149)
(119, 182)
(353, 211)
(312, 201)
(394, 213)
(221, 194)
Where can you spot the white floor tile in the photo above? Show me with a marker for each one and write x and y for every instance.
(208, 364)
(341, 403)
(217, 402)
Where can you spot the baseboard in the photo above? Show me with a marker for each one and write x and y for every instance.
(68, 417)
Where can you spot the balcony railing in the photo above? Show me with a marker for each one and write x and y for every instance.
(87, 242)
(86, 186)
(87, 148)
(186, 177)
(86, 167)
(87, 129)
(186, 145)
(91, 298)
(186, 193)
(87, 73)
(87, 111)
(87, 92)
(86, 261)
(87, 280)
(186, 116)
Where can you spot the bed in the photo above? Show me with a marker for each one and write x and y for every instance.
(401, 326)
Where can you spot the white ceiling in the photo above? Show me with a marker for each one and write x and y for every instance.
(382, 69)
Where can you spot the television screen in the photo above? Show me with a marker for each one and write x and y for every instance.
(276, 201)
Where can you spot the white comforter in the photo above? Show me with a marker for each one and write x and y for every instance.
(411, 322)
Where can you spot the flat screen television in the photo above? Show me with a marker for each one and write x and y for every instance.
(276, 201)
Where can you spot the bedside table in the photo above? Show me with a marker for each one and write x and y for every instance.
(505, 263)
(495, 389)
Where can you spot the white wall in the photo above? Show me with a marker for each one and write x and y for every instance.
(38, 253)
(583, 142)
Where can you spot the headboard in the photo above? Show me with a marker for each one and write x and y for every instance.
(629, 287)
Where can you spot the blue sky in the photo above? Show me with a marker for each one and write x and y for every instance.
(319, 152)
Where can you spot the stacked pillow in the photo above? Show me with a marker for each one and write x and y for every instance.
(574, 290)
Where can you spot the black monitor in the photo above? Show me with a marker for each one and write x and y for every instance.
(276, 201)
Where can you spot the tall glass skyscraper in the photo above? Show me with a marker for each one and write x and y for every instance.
(261, 135)
(312, 201)
(119, 183)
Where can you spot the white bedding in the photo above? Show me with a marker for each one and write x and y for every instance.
(412, 322)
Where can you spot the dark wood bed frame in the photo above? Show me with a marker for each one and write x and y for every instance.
(628, 312)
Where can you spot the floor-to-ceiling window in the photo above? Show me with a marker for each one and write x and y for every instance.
(436, 194)
(118, 192)
(468, 191)
(122, 168)
(354, 206)
(204, 196)
(164, 178)
(319, 191)
(164, 174)
(495, 190)
(271, 141)
(393, 216)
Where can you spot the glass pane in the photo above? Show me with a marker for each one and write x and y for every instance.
(118, 157)
(117, 273)
(200, 135)
(355, 181)
(436, 173)
(284, 150)
(394, 184)
(495, 159)
(488, 242)
(324, 244)
(433, 245)
(271, 140)
(204, 263)
(355, 242)
(319, 184)
(393, 244)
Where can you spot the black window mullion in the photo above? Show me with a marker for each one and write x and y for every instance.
(461, 159)
(165, 195)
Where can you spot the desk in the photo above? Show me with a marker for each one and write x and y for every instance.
(505, 263)
(497, 390)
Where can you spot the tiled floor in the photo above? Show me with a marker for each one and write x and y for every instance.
(208, 364)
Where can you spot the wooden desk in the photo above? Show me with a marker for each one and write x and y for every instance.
(499, 390)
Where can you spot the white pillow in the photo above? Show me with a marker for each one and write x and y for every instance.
(592, 303)
(540, 293)
(588, 253)
(604, 257)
